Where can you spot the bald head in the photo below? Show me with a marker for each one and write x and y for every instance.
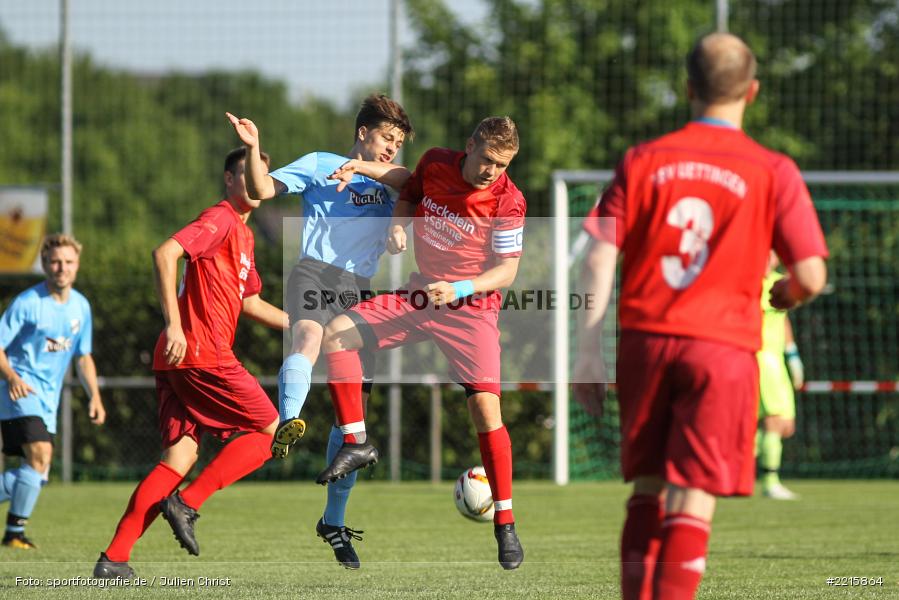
(721, 68)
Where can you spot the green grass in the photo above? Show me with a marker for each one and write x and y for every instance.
(416, 545)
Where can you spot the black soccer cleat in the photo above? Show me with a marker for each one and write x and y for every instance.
(511, 554)
(286, 435)
(349, 458)
(340, 539)
(17, 540)
(181, 518)
(108, 569)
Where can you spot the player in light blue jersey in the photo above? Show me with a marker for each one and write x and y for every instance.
(339, 255)
(40, 332)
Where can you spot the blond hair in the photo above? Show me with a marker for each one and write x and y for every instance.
(500, 133)
(58, 240)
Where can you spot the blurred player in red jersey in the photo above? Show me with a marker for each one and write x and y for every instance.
(201, 385)
(469, 220)
(694, 214)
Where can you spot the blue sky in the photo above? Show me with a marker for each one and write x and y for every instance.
(325, 48)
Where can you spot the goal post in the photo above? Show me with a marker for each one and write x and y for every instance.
(564, 255)
(849, 338)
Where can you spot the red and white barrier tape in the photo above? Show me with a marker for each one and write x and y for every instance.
(810, 387)
(853, 387)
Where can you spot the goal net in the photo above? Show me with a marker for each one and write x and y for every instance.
(847, 415)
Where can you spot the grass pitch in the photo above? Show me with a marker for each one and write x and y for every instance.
(416, 545)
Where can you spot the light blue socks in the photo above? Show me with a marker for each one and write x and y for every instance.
(294, 381)
(24, 495)
(338, 491)
(8, 484)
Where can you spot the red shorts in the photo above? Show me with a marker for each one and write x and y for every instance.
(220, 401)
(467, 335)
(688, 412)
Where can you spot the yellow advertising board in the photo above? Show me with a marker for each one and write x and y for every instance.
(23, 223)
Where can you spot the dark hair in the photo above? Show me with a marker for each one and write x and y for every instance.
(497, 132)
(239, 154)
(720, 68)
(378, 109)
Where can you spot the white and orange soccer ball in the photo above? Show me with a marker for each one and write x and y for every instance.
(472, 495)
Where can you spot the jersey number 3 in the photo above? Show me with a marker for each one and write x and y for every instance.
(693, 216)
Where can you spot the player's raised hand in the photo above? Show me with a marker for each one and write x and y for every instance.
(96, 411)
(590, 383)
(344, 173)
(396, 239)
(246, 130)
(175, 345)
(18, 389)
(440, 292)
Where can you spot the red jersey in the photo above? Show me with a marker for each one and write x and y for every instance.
(220, 272)
(696, 213)
(460, 230)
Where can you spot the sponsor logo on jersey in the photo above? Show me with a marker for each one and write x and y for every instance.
(369, 196)
(60, 344)
(444, 213)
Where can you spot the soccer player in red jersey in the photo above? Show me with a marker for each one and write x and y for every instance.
(694, 214)
(469, 219)
(201, 385)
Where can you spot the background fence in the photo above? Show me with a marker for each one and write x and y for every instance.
(583, 79)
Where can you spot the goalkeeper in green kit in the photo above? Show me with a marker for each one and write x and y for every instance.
(777, 380)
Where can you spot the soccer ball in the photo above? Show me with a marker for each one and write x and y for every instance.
(472, 495)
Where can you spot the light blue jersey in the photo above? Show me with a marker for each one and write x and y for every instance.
(40, 336)
(339, 227)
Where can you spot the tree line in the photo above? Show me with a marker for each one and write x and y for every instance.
(583, 80)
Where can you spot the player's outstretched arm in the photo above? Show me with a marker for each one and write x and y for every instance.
(87, 373)
(395, 176)
(805, 281)
(268, 314)
(165, 266)
(18, 389)
(260, 185)
(596, 282)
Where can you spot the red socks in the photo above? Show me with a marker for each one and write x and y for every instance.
(142, 509)
(496, 452)
(681, 560)
(640, 543)
(241, 456)
(345, 385)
